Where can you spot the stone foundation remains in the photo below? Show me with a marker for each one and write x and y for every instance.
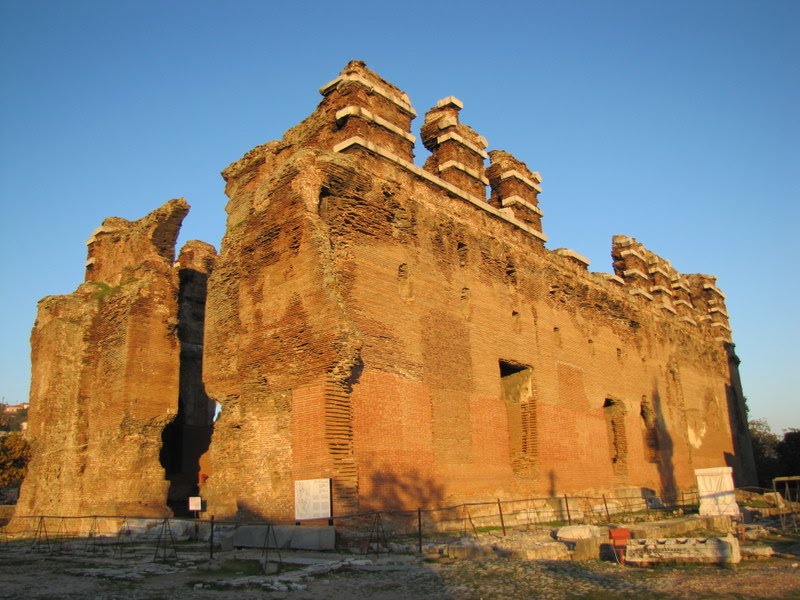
(388, 326)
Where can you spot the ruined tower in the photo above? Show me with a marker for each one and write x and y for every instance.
(401, 330)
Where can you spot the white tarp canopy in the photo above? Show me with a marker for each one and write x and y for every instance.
(717, 495)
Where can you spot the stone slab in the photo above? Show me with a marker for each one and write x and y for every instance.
(295, 538)
(588, 549)
(712, 550)
(572, 533)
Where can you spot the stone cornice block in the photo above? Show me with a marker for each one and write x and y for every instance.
(633, 252)
(457, 138)
(567, 253)
(453, 164)
(367, 115)
(512, 200)
(514, 174)
(635, 273)
(401, 101)
(641, 293)
(715, 289)
(450, 101)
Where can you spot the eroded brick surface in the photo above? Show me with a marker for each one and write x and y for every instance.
(105, 376)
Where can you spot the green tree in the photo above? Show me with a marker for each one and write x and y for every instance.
(14, 455)
(765, 452)
(788, 450)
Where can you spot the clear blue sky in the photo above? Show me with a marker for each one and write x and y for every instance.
(674, 122)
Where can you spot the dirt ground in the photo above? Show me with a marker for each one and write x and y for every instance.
(130, 573)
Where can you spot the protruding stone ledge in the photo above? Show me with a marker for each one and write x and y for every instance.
(689, 320)
(680, 285)
(668, 308)
(659, 269)
(98, 231)
(571, 254)
(720, 325)
(632, 252)
(613, 278)
(512, 200)
(453, 164)
(682, 302)
(716, 309)
(520, 177)
(715, 289)
(635, 273)
(642, 293)
(660, 289)
(457, 138)
(450, 101)
(419, 172)
(446, 122)
(367, 115)
(402, 102)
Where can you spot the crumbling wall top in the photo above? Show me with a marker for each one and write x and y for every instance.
(119, 244)
(198, 256)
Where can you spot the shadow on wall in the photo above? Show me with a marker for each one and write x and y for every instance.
(666, 468)
(247, 512)
(188, 436)
(742, 461)
(402, 491)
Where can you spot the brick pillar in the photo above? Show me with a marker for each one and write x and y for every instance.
(457, 151)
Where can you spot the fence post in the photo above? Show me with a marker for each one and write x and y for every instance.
(502, 521)
(566, 503)
(211, 540)
(608, 516)
(419, 529)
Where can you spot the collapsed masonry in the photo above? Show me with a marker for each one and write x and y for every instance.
(378, 323)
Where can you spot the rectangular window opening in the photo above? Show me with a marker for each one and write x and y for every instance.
(518, 393)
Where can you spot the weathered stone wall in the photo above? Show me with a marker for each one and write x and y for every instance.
(390, 327)
(105, 374)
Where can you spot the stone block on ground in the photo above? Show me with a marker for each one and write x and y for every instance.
(681, 527)
(545, 551)
(296, 538)
(572, 533)
(713, 550)
(587, 549)
(312, 538)
(756, 552)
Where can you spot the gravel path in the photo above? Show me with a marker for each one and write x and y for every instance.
(339, 576)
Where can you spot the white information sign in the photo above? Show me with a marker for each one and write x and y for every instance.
(715, 487)
(312, 499)
(195, 503)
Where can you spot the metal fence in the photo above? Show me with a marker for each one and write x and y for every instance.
(115, 534)
(164, 538)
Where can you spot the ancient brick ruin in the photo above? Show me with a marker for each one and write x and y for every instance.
(392, 327)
